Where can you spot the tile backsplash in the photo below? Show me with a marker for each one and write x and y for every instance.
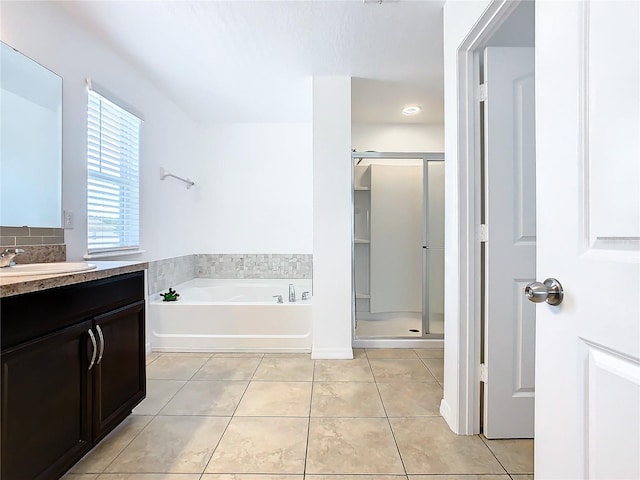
(22, 236)
(41, 245)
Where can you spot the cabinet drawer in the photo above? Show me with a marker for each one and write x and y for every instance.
(28, 316)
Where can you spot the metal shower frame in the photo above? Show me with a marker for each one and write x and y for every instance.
(425, 157)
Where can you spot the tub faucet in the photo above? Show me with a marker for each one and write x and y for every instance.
(6, 257)
(278, 298)
(292, 293)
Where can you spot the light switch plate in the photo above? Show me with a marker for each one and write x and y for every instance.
(67, 220)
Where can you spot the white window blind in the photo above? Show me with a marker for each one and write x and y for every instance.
(113, 176)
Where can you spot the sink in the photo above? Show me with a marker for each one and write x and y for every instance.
(45, 269)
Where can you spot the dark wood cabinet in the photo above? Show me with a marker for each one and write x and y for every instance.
(72, 370)
(45, 404)
(119, 373)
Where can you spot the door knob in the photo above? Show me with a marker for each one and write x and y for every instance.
(550, 291)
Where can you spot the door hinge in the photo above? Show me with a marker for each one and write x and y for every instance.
(484, 373)
(482, 92)
(484, 232)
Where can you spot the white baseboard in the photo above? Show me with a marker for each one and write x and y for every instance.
(447, 414)
(331, 353)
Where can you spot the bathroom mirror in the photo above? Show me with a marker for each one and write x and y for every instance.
(31, 142)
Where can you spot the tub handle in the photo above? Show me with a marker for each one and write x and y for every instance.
(279, 297)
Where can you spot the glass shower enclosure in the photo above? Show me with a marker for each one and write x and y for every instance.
(398, 245)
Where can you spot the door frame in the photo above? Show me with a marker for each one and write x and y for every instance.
(469, 217)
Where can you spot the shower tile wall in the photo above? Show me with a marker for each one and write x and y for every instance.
(248, 265)
(169, 272)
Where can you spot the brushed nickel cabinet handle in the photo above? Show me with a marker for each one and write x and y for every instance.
(92, 337)
(101, 337)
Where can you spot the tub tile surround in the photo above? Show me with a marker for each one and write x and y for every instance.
(249, 265)
(170, 272)
(311, 426)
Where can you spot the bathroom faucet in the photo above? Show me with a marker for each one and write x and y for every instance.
(6, 257)
(292, 293)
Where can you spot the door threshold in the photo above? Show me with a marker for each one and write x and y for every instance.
(435, 340)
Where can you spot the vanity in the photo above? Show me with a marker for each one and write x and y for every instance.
(73, 364)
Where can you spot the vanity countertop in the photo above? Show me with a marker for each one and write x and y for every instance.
(10, 286)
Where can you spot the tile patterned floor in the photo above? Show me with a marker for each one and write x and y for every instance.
(287, 417)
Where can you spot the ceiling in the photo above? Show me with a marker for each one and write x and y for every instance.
(252, 61)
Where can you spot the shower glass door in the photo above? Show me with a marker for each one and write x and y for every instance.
(398, 250)
(433, 249)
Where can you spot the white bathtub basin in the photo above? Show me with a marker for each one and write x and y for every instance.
(239, 315)
(32, 269)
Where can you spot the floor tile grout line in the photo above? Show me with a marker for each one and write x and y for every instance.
(493, 453)
(177, 391)
(395, 440)
(154, 416)
(213, 451)
(233, 414)
(104, 470)
(422, 360)
(226, 427)
(306, 450)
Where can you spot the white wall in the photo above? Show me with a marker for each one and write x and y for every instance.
(46, 33)
(332, 221)
(459, 18)
(396, 137)
(255, 189)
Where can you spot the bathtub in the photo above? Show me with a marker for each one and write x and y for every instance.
(231, 315)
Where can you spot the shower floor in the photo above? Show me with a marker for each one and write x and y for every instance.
(396, 325)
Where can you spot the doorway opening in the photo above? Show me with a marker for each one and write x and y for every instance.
(398, 248)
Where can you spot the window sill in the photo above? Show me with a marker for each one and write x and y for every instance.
(121, 253)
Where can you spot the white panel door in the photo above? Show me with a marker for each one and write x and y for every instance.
(588, 223)
(396, 238)
(510, 253)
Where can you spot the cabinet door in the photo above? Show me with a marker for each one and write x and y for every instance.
(119, 376)
(45, 404)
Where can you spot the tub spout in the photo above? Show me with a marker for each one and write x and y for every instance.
(292, 293)
(278, 298)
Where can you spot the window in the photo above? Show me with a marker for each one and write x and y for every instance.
(113, 153)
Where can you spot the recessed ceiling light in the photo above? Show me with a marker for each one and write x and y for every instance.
(411, 110)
